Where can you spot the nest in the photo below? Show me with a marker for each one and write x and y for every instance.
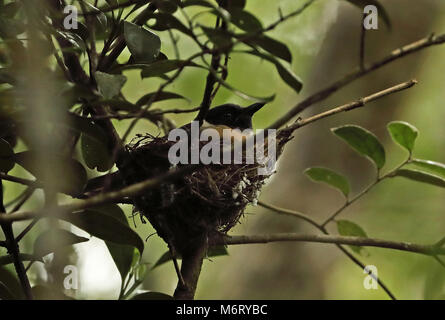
(205, 203)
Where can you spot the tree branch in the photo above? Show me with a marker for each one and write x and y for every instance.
(308, 219)
(334, 87)
(430, 250)
(109, 197)
(352, 105)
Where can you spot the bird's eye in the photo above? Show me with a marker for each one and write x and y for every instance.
(228, 116)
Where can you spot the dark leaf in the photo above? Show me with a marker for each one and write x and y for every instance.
(362, 141)
(285, 73)
(245, 20)
(220, 38)
(109, 85)
(163, 95)
(65, 174)
(165, 21)
(6, 156)
(329, 177)
(53, 240)
(403, 134)
(105, 227)
(143, 44)
(273, 46)
(11, 282)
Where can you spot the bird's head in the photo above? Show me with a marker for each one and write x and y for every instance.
(233, 116)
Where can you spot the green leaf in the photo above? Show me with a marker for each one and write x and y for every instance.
(403, 134)
(161, 96)
(152, 296)
(211, 252)
(95, 151)
(143, 44)
(273, 46)
(121, 254)
(245, 20)
(166, 21)
(220, 38)
(350, 229)
(54, 239)
(109, 85)
(11, 282)
(329, 177)
(434, 167)
(421, 176)
(285, 73)
(105, 227)
(9, 10)
(65, 174)
(382, 11)
(362, 141)
(159, 68)
(6, 156)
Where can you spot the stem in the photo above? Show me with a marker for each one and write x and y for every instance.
(14, 251)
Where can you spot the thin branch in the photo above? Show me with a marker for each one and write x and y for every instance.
(352, 105)
(13, 249)
(429, 250)
(308, 219)
(109, 197)
(334, 87)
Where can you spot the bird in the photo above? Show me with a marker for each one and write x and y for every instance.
(230, 116)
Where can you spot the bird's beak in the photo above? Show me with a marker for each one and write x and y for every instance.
(250, 110)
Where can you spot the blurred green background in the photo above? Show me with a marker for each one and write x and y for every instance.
(324, 41)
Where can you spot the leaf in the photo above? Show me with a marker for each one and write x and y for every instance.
(54, 239)
(434, 167)
(152, 296)
(420, 176)
(211, 252)
(121, 254)
(382, 11)
(11, 282)
(159, 68)
(362, 141)
(95, 152)
(10, 9)
(351, 229)
(329, 177)
(220, 38)
(6, 156)
(105, 227)
(285, 73)
(109, 85)
(143, 44)
(65, 174)
(245, 20)
(166, 21)
(403, 134)
(273, 46)
(167, 6)
(161, 96)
